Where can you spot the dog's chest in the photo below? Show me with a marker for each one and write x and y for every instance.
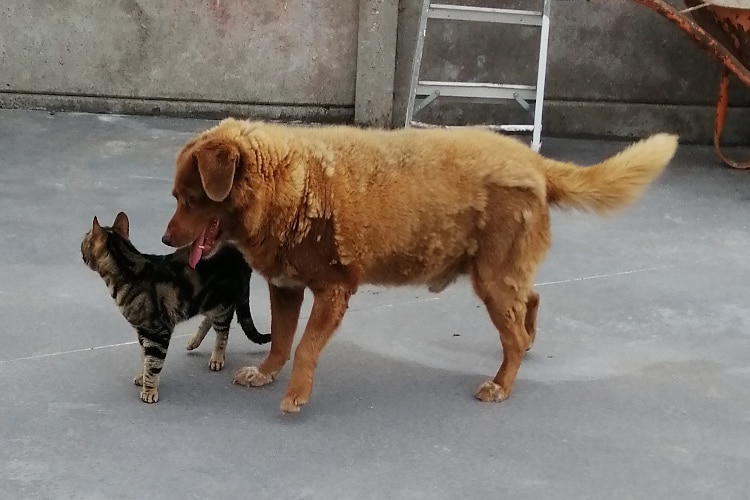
(286, 276)
(285, 281)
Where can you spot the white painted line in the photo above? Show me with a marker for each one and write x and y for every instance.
(599, 276)
(150, 178)
(383, 306)
(60, 353)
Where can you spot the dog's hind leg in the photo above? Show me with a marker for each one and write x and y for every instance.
(507, 310)
(200, 334)
(502, 276)
(532, 307)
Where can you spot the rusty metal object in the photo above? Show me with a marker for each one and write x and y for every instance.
(700, 35)
(725, 34)
(730, 27)
(721, 115)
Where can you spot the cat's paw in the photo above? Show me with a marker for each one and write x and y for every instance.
(216, 363)
(150, 395)
(250, 376)
(138, 380)
(194, 342)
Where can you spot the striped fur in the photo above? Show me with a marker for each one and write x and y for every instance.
(156, 292)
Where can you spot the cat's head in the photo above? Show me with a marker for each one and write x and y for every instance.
(94, 244)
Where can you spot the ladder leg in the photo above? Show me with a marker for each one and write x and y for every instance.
(536, 140)
(417, 61)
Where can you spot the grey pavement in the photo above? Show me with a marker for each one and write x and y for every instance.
(637, 386)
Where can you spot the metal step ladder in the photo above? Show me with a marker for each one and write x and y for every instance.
(422, 93)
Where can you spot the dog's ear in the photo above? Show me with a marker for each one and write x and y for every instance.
(122, 225)
(96, 228)
(217, 164)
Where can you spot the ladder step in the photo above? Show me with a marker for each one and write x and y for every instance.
(503, 128)
(484, 14)
(477, 90)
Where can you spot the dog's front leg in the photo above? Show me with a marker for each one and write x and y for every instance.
(285, 308)
(327, 312)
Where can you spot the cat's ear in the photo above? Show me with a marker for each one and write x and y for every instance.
(122, 225)
(96, 229)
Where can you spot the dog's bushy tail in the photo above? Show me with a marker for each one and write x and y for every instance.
(614, 183)
(245, 318)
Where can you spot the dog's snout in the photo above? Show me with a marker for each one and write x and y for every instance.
(167, 239)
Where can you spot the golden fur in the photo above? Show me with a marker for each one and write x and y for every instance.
(331, 208)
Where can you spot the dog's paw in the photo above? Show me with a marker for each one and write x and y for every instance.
(490, 392)
(250, 376)
(216, 363)
(138, 380)
(291, 405)
(194, 342)
(149, 396)
(293, 402)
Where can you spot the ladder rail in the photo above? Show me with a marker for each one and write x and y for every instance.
(536, 135)
(417, 62)
(482, 92)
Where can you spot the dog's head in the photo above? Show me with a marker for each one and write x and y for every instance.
(205, 174)
(231, 183)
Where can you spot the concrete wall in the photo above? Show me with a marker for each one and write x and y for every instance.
(615, 67)
(206, 53)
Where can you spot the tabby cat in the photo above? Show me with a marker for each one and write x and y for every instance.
(156, 292)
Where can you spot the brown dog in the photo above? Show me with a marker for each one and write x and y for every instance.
(330, 208)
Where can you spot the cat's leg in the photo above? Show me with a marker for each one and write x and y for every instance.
(221, 322)
(200, 334)
(138, 379)
(155, 344)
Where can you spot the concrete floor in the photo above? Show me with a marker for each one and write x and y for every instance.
(637, 386)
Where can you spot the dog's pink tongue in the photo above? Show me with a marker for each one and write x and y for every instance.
(196, 250)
